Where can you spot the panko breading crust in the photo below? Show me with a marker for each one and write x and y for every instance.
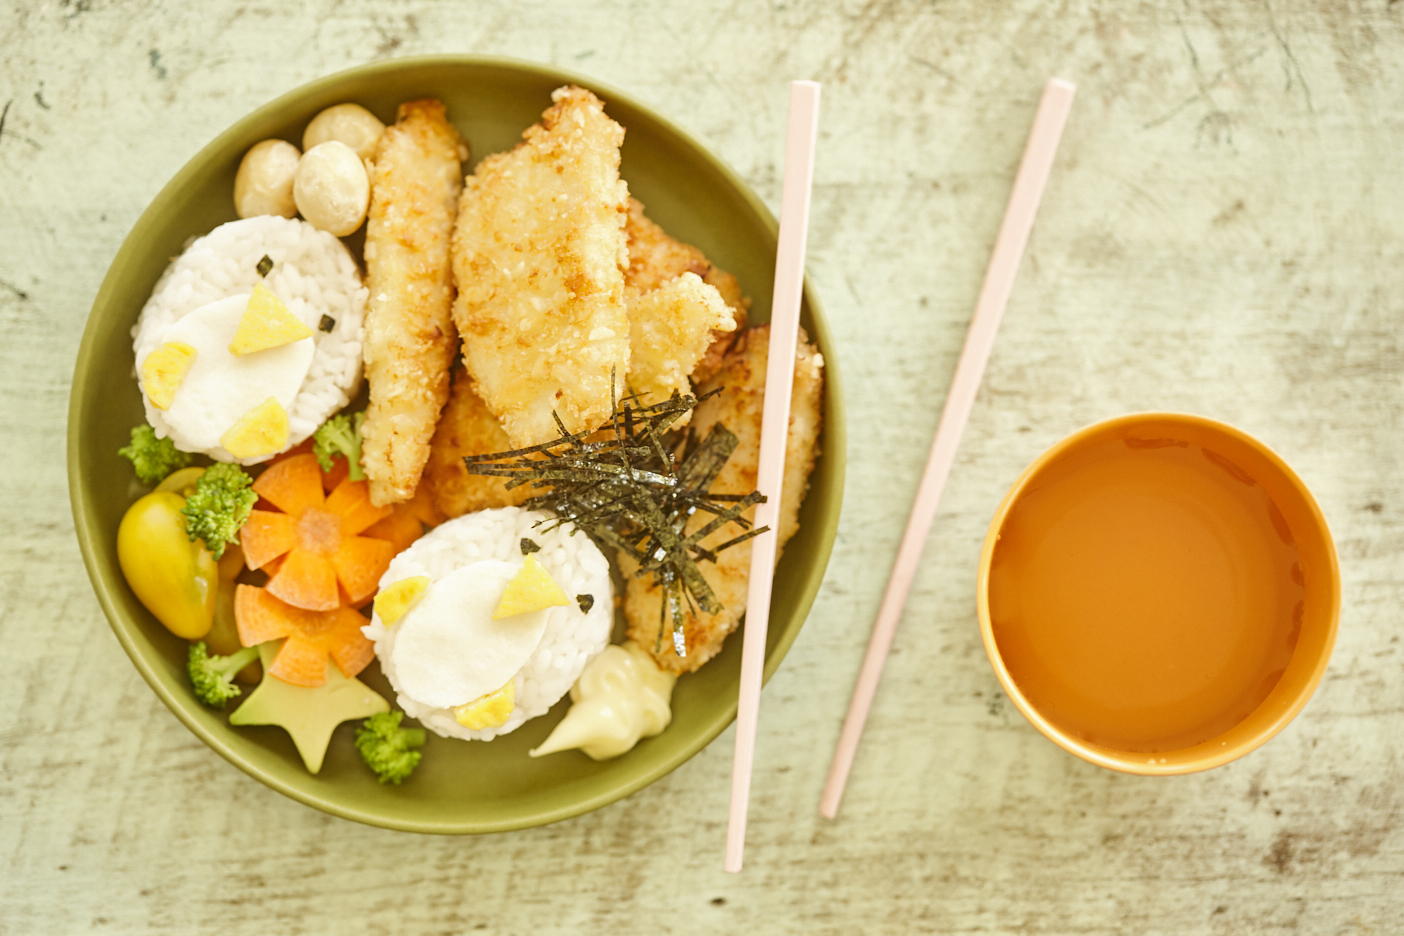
(409, 332)
(539, 256)
(670, 329)
(656, 258)
(738, 407)
(467, 427)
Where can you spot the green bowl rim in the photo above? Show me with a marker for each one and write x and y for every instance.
(834, 448)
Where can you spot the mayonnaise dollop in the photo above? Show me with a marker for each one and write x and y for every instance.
(620, 697)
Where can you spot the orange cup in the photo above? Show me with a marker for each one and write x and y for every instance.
(1159, 594)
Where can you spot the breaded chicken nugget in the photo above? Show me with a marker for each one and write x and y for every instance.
(467, 427)
(738, 407)
(670, 329)
(656, 258)
(539, 257)
(409, 333)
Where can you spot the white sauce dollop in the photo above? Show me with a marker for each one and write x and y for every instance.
(621, 696)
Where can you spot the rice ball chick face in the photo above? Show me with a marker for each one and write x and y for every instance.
(220, 387)
(569, 639)
(449, 649)
(309, 266)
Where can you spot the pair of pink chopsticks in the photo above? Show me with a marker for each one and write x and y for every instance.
(1033, 174)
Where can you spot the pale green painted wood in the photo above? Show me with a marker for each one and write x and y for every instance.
(1222, 235)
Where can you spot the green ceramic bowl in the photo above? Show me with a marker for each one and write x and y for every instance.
(460, 787)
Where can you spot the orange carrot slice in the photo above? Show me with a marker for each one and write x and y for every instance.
(271, 567)
(258, 616)
(307, 580)
(340, 469)
(351, 500)
(266, 536)
(400, 529)
(292, 485)
(312, 636)
(300, 663)
(350, 650)
(359, 564)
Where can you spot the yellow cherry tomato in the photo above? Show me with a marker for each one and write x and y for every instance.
(176, 579)
(181, 482)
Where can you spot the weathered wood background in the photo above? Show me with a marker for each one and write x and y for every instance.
(1222, 235)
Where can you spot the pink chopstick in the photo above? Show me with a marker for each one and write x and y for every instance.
(999, 280)
(775, 424)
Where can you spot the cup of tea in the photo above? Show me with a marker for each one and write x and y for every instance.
(1159, 593)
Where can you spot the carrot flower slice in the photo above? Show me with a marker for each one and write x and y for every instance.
(292, 485)
(317, 536)
(312, 636)
(325, 547)
(351, 501)
(359, 564)
(307, 580)
(266, 536)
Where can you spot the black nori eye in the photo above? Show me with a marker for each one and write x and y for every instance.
(264, 265)
(529, 547)
(586, 602)
(327, 323)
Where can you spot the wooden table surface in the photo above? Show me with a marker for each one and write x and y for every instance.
(1222, 235)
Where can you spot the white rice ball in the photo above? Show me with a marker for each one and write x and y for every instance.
(315, 276)
(571, 636)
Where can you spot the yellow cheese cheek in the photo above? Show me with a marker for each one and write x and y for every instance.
(266, 323)
(531, 589)
(263, 430)
(489, 711)
(163, 370)
(392, 602)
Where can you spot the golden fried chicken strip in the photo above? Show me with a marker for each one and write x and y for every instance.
(656, 258)
(670, 329)
(539, 257)
(467, 427)
(409, 333)
(738, 408)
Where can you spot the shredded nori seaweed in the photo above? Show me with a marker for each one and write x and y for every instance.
(529, 546)
(634, 493)
(327, 324)
(264, 265)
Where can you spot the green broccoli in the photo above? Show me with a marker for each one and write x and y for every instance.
(210, 675)
(218, 507)
(340, 435)
(387, 748)
(153, 458)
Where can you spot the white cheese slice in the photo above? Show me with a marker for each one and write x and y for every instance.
(449, 650)
(221, 387)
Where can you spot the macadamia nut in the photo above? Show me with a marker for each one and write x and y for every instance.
(264, 182)
(331, 188)
(351, 124)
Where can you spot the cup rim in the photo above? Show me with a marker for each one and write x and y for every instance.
(1129, 762)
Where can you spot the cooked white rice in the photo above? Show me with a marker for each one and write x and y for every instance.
(571, 637)
(313, 273)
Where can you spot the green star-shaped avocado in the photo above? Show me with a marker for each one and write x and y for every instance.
(309, 715)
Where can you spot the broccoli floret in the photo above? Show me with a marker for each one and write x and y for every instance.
(387, 748)
(153, 458)
(219, 505)
(340, 435)
(210, 675)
